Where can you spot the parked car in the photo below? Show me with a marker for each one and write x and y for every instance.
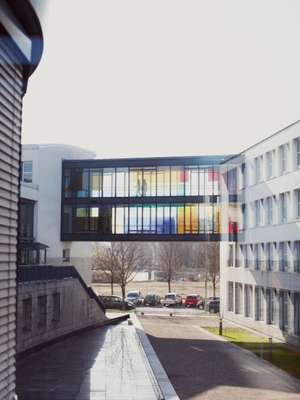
(172, 299)
(151, 299)
(134, 297)
(213, 306)
(213, 298)
(201, 303)
(192, 300)
(116, 302)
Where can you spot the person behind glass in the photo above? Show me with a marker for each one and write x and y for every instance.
(144, 187)
(138, 188)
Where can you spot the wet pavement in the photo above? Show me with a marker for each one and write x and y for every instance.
(104, 363)
(203, 367)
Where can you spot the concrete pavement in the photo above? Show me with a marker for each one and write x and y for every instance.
(201, 367)
(106, 363)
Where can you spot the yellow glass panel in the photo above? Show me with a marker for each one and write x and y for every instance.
(217, 222)
(191, 218)
(180, 213)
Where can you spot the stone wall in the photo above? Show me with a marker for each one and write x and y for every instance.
(52, 318)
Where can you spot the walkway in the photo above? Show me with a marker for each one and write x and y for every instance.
(202, 367)
(105, 363)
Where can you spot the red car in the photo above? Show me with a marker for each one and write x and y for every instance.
(192, 300)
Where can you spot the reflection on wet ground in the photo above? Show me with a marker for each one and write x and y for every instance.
(105, 363)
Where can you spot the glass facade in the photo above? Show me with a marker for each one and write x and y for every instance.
(141, 182)
(142, 218)
(103, 199)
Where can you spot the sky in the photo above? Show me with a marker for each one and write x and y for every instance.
(141, 78)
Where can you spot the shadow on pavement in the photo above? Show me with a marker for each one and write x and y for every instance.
(57, 371)
(195, 366)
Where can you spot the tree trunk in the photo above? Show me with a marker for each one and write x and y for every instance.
(123, 288)
(112, 285)
(214, 286)
(169, 285)
(205, 290)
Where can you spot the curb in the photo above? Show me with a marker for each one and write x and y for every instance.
(158, 371)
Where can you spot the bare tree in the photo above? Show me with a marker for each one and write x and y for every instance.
(104, 259)
(169, 260)
(207, 260)
(129, 257)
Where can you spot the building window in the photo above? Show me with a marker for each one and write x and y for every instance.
(283, 207)
(27, 314)
(258, 256)
(56, 307)
(257, 168)
(257, 212)
(283, 161)
(269, 256)
(66, 255)
(259, 304)
(271, 306)
(283, 256)
(230, 296)
(26, 219)
(246, 255)
(42, 310)
(269, 210)
(26, 171)
(230, 255)
(244, 217)
(283, 310)
(242, 253)
(297, 256)
(297, 203)
(269, 164)
(297, 314)
(248, 300)
(243, 176)
(238, 297)
(297, 148)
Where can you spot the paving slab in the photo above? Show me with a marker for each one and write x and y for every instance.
(101, 364)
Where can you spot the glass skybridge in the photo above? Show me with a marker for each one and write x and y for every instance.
(145, 199)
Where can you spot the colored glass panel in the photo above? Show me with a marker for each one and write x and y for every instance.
(121, 220)
(108, 182)
(95, 183)
(180, 213)
(191, 181)
(136, 182)
(163, 181)
(178, 177)
(122, 182)
(79, 182)
(217, 220)
(149, 182)
(149, 219)
(208, 219)
(191, 218)
(202, 182)
(209, 182)
(105, 219)
(94, 216)
(81, 220)
(163, 219)
(135, 219)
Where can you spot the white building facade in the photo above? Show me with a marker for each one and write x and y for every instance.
(41, 184)
(260, 272)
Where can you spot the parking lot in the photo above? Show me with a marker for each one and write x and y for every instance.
(202, 367)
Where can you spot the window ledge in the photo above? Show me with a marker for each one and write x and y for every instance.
(30, 185)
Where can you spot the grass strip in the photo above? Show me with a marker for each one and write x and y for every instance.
(279, 354)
